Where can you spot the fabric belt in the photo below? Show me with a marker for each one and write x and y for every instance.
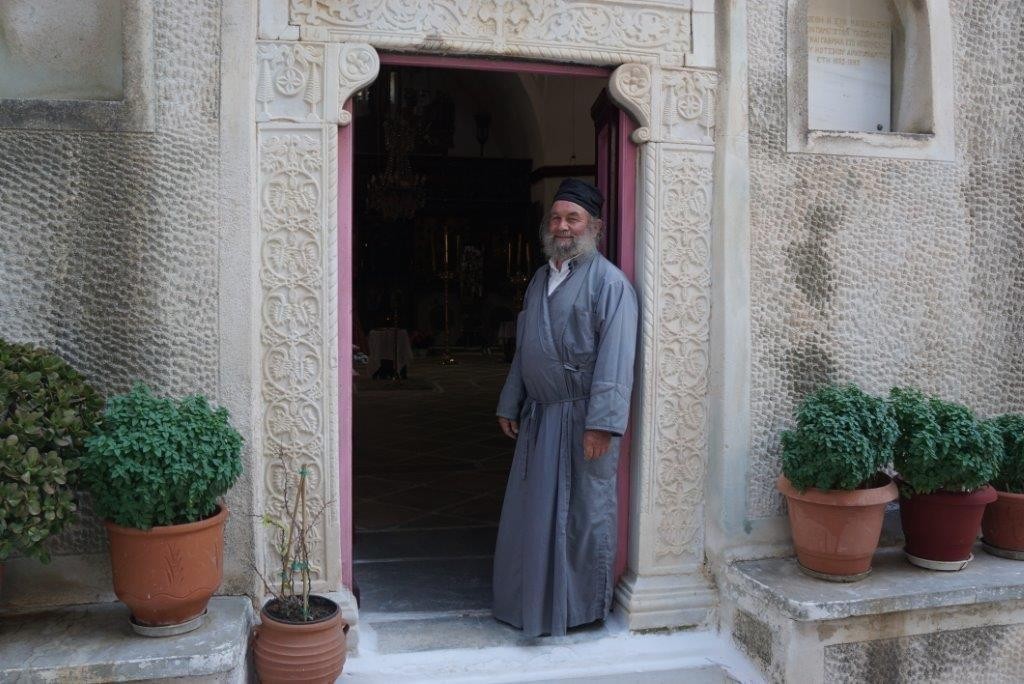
(531, 413)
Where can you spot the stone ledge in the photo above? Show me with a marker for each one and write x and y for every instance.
(94, 643)
(893, 586)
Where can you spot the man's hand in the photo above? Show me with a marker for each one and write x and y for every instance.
(509, 427)
(596, 443)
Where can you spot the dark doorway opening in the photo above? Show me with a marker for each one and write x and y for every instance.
(452, 172)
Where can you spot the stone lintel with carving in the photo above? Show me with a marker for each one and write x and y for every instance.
(593, 32)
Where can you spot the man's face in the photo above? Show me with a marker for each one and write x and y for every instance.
(570, 231)
(567, 221)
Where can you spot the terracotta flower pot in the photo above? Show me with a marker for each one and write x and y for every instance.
(1003, 523)
(301, 651)
(166, 575)
(836, 532)
(943, 526)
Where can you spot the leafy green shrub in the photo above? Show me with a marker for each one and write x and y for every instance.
(158, 461)
(1010, 477)
(942, 446)
(46, 411)
(843, 437)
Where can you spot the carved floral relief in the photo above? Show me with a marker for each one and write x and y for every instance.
(604, 31)
(293, 330)
(684, 317)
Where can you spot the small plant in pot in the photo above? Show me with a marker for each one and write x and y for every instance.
(945, 459)
(157, 469)
(833, 482)
(301, 636)
(46, 411)
(1002, 526)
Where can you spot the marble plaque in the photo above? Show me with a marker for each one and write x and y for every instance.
(849, 65)
(61, 50)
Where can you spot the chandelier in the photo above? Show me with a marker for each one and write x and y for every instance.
(397, 192)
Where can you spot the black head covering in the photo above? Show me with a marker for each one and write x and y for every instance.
(581, 193)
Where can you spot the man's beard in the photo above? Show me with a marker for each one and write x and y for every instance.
(559, 251)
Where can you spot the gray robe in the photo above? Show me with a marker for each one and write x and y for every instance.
(573, 370)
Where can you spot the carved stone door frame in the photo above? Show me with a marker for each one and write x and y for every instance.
(312, 56)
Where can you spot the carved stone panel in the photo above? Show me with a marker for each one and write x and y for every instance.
(290, 82)
(680, 407)
(688, 105)
(297, 331)
(596, 31)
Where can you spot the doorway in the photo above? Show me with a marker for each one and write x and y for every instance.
(453, 164)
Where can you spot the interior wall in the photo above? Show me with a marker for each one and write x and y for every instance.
(562, 106)
(115, 250)
(883, 271)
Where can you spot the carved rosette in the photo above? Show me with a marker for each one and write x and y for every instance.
(289, 82)
(631, 88)
(358, 67)
(594, 31)
(688, 105)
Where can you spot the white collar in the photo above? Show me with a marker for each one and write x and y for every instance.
(565, 265)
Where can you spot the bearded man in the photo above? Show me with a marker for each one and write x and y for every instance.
(566, 403)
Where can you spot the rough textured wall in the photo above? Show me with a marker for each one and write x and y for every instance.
(990, 654)
(887, 271)
(110, 240)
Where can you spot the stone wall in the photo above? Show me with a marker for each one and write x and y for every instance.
(884, 271)
(113, 248)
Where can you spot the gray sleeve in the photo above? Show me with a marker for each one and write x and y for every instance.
(513, 393)
(610, 390)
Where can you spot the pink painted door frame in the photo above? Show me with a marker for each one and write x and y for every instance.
(626, 169)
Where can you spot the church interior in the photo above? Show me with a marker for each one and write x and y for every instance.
(453, 170)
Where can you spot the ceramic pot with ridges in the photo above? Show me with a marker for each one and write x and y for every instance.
(166, 575)
(943, 526)
(836, 532)
(309, 652)
(1002, 525)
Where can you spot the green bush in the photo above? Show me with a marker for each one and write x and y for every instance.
(843, 437)
(46, 411)
(942, 446)
(158, 461)
(1010, 476)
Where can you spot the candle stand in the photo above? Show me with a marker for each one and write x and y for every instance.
(447, 275)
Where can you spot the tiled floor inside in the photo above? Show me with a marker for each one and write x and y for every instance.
(430, 469)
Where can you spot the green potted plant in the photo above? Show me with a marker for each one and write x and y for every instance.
(945, 459)
(833, 481)
(1002, 526)
(46, 411)
(301, 636)
(157, 469)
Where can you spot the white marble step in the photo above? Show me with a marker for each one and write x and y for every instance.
(607, 655)
(94, 643)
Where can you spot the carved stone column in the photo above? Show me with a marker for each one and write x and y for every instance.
(301, 89)
(665, 584)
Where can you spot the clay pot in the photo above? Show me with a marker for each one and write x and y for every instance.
(1003, 523)
(836, 532)
(943, 526)
(166, 575)
(301, 651)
